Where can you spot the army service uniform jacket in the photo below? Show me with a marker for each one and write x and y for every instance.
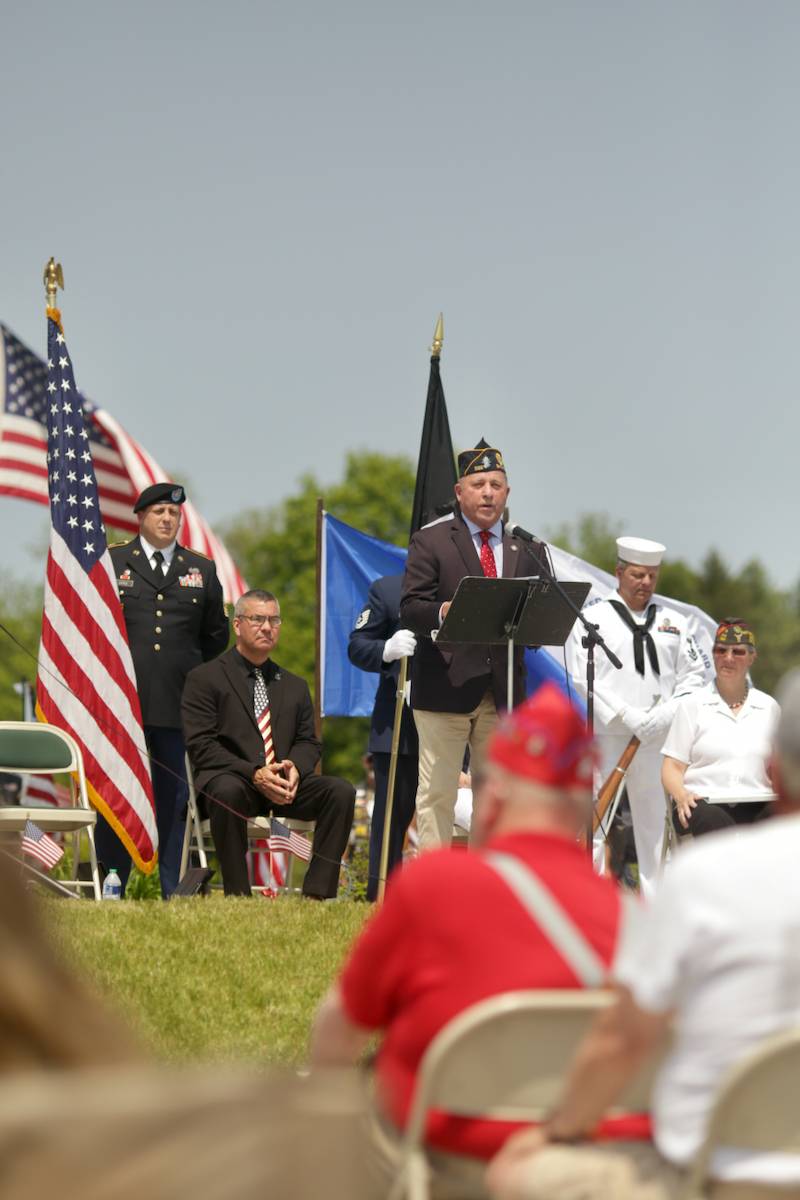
(174, 623)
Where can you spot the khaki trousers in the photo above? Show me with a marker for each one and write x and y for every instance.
(443, 738)
(608, 1171)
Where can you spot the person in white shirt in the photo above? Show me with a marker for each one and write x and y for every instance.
(662, 659)
(718, 743)
(716, 957)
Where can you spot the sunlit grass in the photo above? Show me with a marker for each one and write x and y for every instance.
(202, 979)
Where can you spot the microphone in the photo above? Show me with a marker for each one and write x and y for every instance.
(522, 534)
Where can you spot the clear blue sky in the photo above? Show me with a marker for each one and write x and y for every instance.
(261, 208)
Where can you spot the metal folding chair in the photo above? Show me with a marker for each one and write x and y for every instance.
(527, 1038)
(756, 1109)
(31, 748)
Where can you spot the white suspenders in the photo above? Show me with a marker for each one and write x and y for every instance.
(551, 918)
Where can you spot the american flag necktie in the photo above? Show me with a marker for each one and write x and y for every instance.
(488, 565)
(261, 709)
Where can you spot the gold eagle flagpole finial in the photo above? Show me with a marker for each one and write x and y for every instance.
(53, 279)
(438, 338)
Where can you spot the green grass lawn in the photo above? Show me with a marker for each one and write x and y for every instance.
(210, 979)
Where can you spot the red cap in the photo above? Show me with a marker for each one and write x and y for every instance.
(545, 740)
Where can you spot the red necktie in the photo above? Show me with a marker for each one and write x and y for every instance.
(488, 565)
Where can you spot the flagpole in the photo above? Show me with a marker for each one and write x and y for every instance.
(436, 353)
(387, 814)
(318, 632)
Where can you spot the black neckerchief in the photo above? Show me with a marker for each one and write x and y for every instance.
(641, 636)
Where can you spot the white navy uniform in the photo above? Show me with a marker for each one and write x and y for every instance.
(683, 665)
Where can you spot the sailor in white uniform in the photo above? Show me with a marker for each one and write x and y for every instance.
(661, 661)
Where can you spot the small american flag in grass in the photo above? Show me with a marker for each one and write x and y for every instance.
(283, 838)
(40, 845)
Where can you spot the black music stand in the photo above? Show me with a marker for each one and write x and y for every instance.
(529, 611)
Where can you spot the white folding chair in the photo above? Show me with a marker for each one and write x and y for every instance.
(503, 1059)
(33, 748)
(756, 1109)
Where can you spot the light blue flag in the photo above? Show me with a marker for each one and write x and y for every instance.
(351, 561)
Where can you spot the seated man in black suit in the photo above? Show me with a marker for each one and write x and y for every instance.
(249, 729)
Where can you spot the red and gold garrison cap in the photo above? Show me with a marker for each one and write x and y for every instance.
(733, 631)
(546, 741)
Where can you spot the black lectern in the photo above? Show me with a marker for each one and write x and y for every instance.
(529, 611)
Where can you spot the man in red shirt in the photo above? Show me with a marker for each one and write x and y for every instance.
(453, 931)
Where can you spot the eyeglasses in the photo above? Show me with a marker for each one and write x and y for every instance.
(273, 622)
(736, 651)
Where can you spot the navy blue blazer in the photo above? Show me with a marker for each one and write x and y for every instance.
(376, 623)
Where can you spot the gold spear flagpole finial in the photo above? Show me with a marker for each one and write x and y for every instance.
(53, 279)
(438, 338)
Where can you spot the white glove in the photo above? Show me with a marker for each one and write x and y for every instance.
(636, 719)
(400, 645)
(657, 724)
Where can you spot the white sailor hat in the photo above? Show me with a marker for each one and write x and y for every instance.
(640, 551)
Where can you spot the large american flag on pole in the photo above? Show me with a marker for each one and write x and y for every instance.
(122, 467)
(86, 682)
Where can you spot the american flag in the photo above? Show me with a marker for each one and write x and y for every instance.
(38, 844)
(283, 838)
(123, 468)
(43, 790)
(86, 682)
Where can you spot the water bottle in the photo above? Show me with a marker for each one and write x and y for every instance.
(112, 885)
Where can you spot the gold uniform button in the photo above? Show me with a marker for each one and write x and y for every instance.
(158, 629)
(158, 610)
(194, 599)
(159, 596)
(156, 646)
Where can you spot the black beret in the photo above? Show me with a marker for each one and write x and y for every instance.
(482, 457)
(160, 493)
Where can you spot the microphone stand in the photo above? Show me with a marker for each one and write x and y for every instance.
(591, 638)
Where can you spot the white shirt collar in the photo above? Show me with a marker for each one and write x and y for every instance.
(496, 530)
(167, 551)
(753, 699)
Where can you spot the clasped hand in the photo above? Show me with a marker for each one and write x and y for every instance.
(278, 781)
(646, 724)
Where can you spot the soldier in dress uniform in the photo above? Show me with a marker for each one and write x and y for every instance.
(662, 659)
(175, 617)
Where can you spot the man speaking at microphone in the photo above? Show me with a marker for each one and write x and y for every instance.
(457, 690)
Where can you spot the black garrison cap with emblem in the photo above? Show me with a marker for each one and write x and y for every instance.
(160, 493)
(482, 457)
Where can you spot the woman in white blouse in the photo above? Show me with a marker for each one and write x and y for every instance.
(719, 742)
